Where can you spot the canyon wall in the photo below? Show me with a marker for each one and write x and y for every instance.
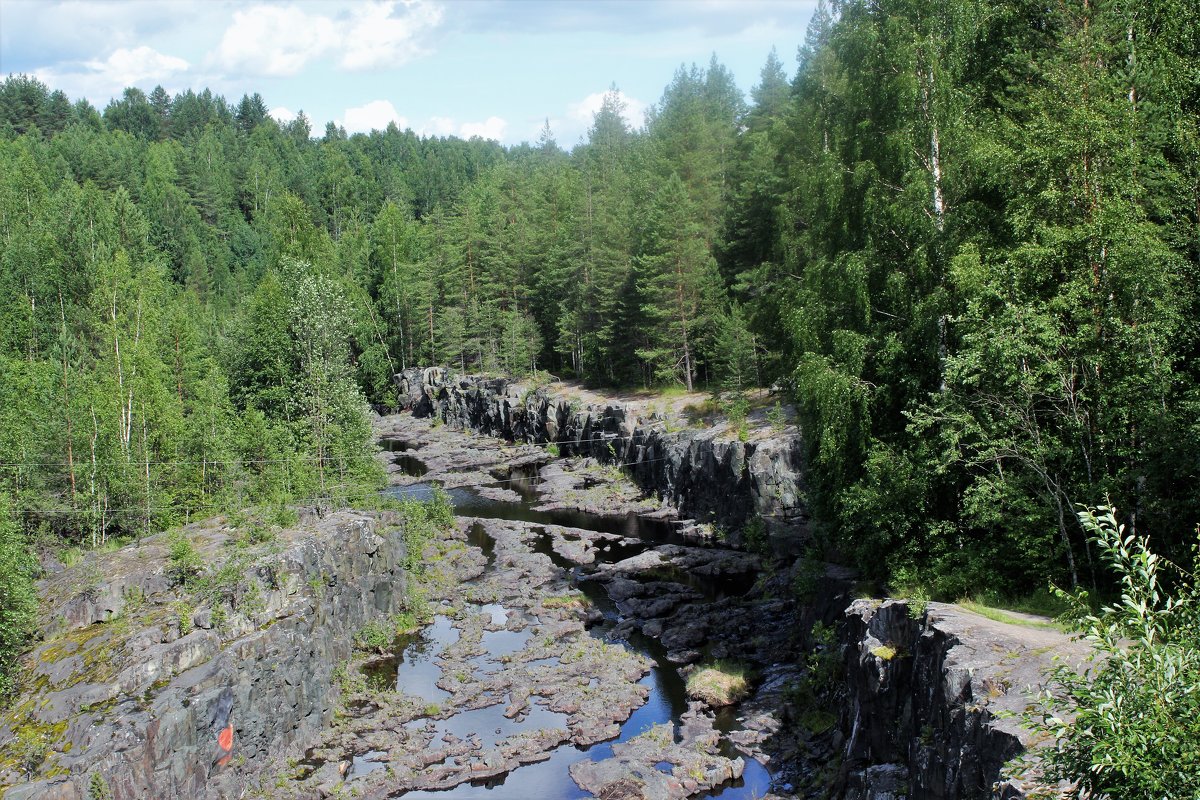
(708, 474)
(129, 684)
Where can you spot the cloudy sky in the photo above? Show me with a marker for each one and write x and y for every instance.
(496, 68)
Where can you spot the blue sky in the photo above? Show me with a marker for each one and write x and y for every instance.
(495, 68)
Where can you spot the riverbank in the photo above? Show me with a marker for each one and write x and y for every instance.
(741, 475)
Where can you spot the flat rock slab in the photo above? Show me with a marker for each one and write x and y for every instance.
(655, 767)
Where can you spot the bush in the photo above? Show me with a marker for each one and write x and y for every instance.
(375, 635)
(754, 536)
(186, 564)
(775, 416)
(807, 578)
(1128, 725)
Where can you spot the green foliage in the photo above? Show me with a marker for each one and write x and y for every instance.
(281, 515)
(815, 694)
(754, 536)
(375, 635)
(421, 523)
(963, 235)
(98, 788)
(18, 595)
(186, 565)
(807, 578)
(1128, 724)
(918, 603)
(775, 416)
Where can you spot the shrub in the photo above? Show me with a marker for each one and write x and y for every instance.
(98, 787)
(754, 536)
(807, 579)
(186, 564)
(281, 515)
(375, 635)
(775, 416)
(1128, 725)
(918, 603)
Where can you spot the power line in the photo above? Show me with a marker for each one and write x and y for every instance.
(86, 462)
(141, 510)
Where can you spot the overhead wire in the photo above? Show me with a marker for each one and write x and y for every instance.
(142, 510)
(301, 459)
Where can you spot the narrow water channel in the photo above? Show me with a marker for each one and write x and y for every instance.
(667, 701)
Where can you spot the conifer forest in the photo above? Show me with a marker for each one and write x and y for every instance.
(961, 238)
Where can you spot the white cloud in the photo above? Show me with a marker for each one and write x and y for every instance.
(282, 115)
(583, 112)
(375, 115)
(129, 67)
(100, 79)
(438, 126)
(275, 40)
(280, 40)
(375, 38)
(491, 128)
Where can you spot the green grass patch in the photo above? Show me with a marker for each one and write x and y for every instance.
(1000, 615)
(1043, 603)
(720, 683)
(818, 720)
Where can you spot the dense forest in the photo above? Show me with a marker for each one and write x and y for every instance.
(963, 236)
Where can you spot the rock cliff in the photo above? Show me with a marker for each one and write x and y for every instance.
(128, 684)
(925, 694)
(707, 474)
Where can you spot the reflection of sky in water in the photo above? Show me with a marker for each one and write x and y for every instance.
(364, 764)
(468, 503)
(505, 643)
(497, 612)
(490, 724)
(550, 779)
(417, 672)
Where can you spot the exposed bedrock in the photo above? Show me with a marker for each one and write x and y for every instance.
(707, 474)
(925, 716)
(129, 683)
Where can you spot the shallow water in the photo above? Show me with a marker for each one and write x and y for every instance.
(414, 671)
(364, 764)
(550, 779)
(489, 724)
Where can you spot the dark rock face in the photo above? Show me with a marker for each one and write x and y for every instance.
(712, 479)
(920, 721)
(135, 699)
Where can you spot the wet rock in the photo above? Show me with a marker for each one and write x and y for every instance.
(654, 767)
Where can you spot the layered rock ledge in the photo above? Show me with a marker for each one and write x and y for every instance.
(709, 473)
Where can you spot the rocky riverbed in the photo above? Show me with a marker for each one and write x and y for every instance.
(566, 611)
